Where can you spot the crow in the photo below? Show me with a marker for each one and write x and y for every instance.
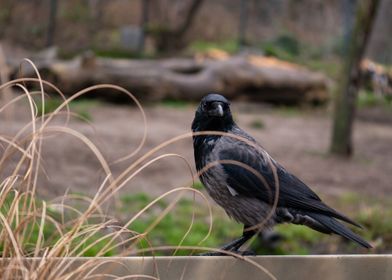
(249, 184)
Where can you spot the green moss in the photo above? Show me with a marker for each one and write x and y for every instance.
(230, 46)
(284, 47)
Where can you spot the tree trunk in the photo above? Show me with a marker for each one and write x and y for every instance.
(173, 39)
(243, 22)
(51, 23)
(145, 4)
(348, 86)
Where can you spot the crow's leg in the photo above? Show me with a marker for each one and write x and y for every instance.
(236, 244)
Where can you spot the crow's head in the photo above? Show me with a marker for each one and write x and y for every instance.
(214, 106)
(213, 113)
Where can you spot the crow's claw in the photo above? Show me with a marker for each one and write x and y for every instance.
(245, 253)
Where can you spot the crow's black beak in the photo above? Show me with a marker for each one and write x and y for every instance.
(216, 110)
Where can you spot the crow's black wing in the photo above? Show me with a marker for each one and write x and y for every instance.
(293, 193)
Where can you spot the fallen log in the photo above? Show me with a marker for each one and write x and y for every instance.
(250, 77)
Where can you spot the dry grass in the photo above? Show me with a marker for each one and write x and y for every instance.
(52, 231)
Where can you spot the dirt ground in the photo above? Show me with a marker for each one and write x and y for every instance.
(297, 139)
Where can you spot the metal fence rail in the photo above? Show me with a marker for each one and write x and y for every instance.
(320, 267)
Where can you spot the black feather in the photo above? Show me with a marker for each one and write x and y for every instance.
(293, 193)
(339, 229)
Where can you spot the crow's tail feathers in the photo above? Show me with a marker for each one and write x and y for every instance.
(336, 227)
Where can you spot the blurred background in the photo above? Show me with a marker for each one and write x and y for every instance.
(311, 80)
